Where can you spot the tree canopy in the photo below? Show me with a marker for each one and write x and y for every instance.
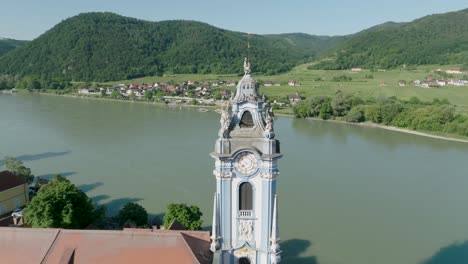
(133, 212)
(17, 167)
(60, 204)
(187, 215)
(434, 39)
(436, 116)
(106, 46)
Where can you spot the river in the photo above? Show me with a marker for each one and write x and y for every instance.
(347, 194)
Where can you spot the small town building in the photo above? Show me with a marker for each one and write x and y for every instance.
(455, 70)
(294, 83)
(230, 83)
(13, 192)
(88, 92)
(293, 99)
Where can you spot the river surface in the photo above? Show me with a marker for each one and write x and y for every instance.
(347, 194)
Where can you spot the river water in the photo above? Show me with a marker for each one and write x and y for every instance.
(347, 194)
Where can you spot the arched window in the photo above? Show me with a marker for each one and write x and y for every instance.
(245, 196)
(244, 260)
(246, 120)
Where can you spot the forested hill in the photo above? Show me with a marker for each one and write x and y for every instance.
(311, 44)
(106, 46)
(434, 39)
(7, 45)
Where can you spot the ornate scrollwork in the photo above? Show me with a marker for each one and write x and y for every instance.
(225, 121)
(246, 230)
(222, 174)
(269, 175)
(269, 132)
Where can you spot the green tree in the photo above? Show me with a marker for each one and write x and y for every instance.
(35, 84)
(148, 95)
(189, 216)
(17, 167)
(301, 109)
(3, 85)
(133, 212)
(326, 111)
(315, 104)
(355, 115)
(373, 114)
(60, 204)
(341, 104)
(116, 94)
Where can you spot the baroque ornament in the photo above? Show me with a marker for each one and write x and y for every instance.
(245, 230)
(222, 174)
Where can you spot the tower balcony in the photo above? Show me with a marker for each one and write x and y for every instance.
(246, 213)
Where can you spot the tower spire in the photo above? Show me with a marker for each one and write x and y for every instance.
(275, 248)
(214, 232)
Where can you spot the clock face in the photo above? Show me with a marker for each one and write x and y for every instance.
(246, 163)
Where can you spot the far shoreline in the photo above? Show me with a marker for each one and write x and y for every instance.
(393, 128)
(365, 124)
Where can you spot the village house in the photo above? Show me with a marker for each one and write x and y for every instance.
(455, 70)
(86, 91)
(230, 83)
(294, 83)
(109, 90)
(170, 88)
(13, 192)
(457, 82)
(268, 83)
(278, 103)
(216, 83)
(356, 69)
(225, 94)
(293, 99)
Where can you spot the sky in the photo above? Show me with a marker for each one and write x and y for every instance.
(27, 19)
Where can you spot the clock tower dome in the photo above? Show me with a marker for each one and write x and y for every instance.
(245, 228)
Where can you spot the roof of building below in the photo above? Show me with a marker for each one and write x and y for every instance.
(32, 245)
(9, 180)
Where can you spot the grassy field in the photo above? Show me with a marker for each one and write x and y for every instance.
(320, 82)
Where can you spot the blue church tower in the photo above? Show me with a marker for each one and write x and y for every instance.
(245, 227)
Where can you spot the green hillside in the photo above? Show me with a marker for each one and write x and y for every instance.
(434, 39)
(7, 45)
(311, 44)
(106, 46)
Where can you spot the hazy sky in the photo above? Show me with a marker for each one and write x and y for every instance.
(27, 19)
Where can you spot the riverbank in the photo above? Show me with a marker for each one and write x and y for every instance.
(130, 101)
(392, 128)
(213, 107)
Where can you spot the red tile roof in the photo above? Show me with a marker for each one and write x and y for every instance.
(30, 245)
(8, 180)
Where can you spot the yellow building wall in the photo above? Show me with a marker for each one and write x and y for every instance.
(13, 198)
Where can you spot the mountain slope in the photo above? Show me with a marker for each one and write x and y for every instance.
(7, 45)
(311, 44)
(106, 46)
(434, 39)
